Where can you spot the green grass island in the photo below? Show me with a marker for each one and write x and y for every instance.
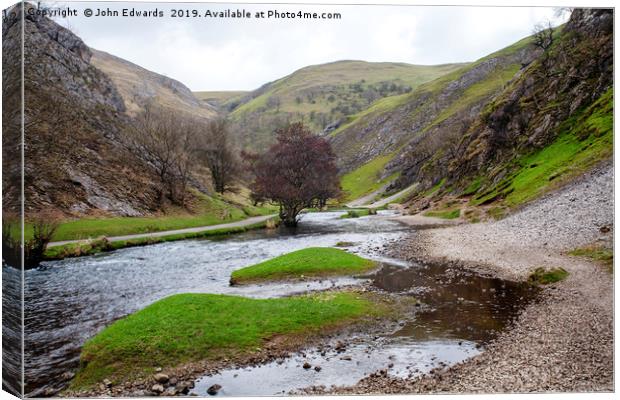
(310, 262)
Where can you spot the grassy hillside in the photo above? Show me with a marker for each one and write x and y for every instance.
(324, 95)
(204, 211)
(550, 123)
(369, 141)
(138, 85)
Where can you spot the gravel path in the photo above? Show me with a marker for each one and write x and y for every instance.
(564, 341)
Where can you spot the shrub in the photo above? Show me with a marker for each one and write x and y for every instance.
(43, 228)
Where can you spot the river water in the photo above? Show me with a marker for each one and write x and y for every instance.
(69, 301)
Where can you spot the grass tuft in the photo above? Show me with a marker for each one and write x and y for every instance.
(359, 213)
(544, 277)
(447, 214)
(596, 253)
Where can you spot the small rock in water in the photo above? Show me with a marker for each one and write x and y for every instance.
(307, 365)
(346, 358)
(317, 368)
(213, 389)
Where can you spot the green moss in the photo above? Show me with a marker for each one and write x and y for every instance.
(313, 261)
(473, 187)
(435, 188)
(544, 277)
(366, 178)
(585, 139)
(496, 213)
(192, 327)
(446, 214)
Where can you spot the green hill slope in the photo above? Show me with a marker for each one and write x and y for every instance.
(372, 144)
(501, 131)
(322, 96)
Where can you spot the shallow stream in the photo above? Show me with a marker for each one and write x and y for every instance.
(69, 301)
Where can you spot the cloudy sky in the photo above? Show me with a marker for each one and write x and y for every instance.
(242, 54)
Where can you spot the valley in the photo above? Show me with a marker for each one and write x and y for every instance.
(446, 228)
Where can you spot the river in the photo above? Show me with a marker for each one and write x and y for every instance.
(69, 301)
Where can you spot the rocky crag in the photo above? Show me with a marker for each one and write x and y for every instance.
(78, 105)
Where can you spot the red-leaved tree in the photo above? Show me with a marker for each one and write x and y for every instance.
(297, 172)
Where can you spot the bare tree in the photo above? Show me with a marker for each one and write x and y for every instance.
(543, 35)
(166, 140)
(543, 39)
(217, 152)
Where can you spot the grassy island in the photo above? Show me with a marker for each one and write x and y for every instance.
(192, 327)
(310, 262)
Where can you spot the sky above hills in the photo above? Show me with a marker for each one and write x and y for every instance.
(227, 54)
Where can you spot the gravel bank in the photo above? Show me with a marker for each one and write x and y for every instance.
(563, 342)
(536, 236)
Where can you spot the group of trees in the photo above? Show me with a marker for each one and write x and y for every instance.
(297, 172)
(176, 145)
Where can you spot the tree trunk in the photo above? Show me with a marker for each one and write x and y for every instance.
(289, 216)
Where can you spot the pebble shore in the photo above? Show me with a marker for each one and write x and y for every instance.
(561, 343)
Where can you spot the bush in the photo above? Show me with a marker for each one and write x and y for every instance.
(43, 228)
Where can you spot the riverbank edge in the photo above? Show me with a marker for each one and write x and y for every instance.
(277, 347)
(102, 245)
(531, 333)
(561, 342)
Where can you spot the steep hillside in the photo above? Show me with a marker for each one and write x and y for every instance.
(80, 160)
(322, 96)
(137, 85)
(74, 118)
(372, 144)
(553, 122)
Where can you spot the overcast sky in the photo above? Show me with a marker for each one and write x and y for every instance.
(242, 54)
